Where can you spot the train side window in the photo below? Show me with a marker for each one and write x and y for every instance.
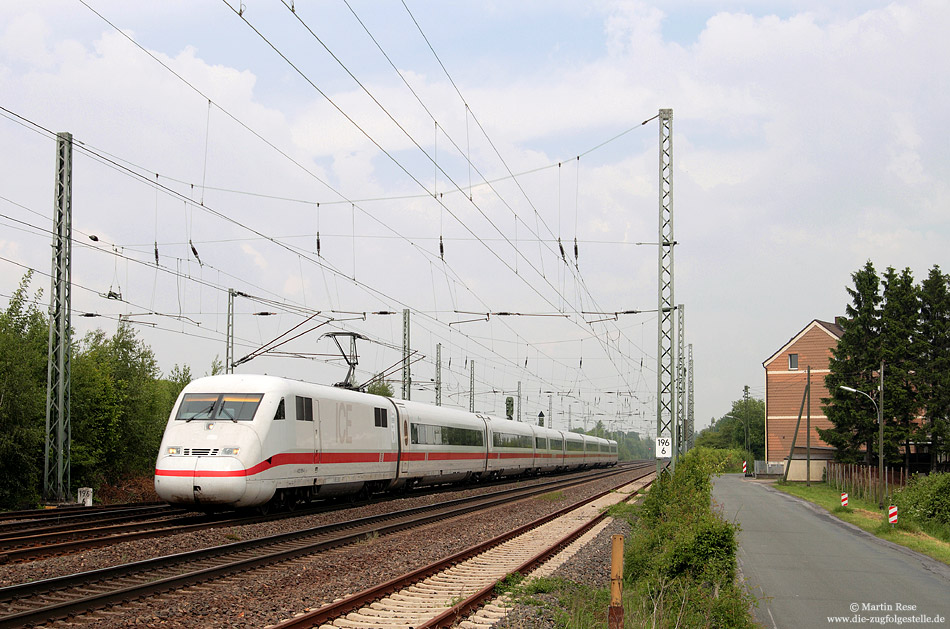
(304, 409)
(379, 415)
(281, 413)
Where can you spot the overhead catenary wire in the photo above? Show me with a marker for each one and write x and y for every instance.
(196, 240)
(298, 17)
(384, 151)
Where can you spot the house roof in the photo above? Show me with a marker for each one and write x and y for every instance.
(833, 330)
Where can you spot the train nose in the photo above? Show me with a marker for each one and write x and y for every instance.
(200, 480)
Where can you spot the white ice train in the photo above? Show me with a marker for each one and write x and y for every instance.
(252, 441)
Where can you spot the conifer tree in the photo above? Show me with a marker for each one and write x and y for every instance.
(933, 361)
(899, 336)
(853, 363)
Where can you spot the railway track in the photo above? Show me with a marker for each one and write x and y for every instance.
(29, 540)
(71, 510)
(444, 593)
(43, 601)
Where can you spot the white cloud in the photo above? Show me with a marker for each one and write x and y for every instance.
(805, 142)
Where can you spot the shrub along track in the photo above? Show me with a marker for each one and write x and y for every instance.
(76, 594)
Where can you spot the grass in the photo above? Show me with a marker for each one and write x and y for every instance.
(554, 496)
(865, 515)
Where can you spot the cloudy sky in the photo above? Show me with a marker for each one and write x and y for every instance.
(808, 139)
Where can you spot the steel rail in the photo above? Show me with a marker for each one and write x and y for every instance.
(358, 530)
(328, 613)
(40, 545)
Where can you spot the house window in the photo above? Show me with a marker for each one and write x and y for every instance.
(793, 361)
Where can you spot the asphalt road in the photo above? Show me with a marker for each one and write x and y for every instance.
(810, 569)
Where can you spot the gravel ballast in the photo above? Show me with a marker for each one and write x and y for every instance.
(267, 596)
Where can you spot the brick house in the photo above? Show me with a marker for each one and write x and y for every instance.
(785, 378)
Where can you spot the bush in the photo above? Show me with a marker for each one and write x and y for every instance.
(926, 498)
(681, 555)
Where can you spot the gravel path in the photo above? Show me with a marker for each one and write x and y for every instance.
(266, 597)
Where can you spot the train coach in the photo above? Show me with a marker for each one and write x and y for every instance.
(259, 441)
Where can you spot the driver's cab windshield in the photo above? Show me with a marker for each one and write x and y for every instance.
(219, 406)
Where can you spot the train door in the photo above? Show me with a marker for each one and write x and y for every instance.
(317, 444)
(306, 416)
(403, 440)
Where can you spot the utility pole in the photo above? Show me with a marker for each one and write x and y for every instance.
(471, 396)
(550, 411)
(690, 426)
(679, 445)
(745, 414)
(229, 346)
(438, 374)
(880, 440)
(406, 375)
(519, 401)
(807, 427)
(56, 464)
(665, 402)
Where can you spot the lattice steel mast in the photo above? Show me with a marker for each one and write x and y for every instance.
(56, 467)
(679, 432)
(229, 346)
(406, 373)
(690, 431)
(665, 403)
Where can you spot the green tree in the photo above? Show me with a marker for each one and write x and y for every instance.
(933, 361)
(743, 428)
(853, 363)
(120, 410)
(24, 344)
(380, 387)
(900, 315)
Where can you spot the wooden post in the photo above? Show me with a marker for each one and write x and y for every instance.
(615, 611)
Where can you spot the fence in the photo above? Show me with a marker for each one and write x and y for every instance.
(862, 481)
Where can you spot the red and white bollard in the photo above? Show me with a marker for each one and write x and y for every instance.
(743, 467)
(892, 514)
(844, 499)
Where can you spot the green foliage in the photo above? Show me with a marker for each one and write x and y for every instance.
(933, 360)
(853, 363)
(380, 387)
(510, 582)
(217, 367)
(681, 555)
(24, 344)
(730, 430)
(118, 403)
(925, 498)
(119, 409)
(907, 327)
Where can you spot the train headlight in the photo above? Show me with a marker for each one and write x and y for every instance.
(174, 450)
(231, 451)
